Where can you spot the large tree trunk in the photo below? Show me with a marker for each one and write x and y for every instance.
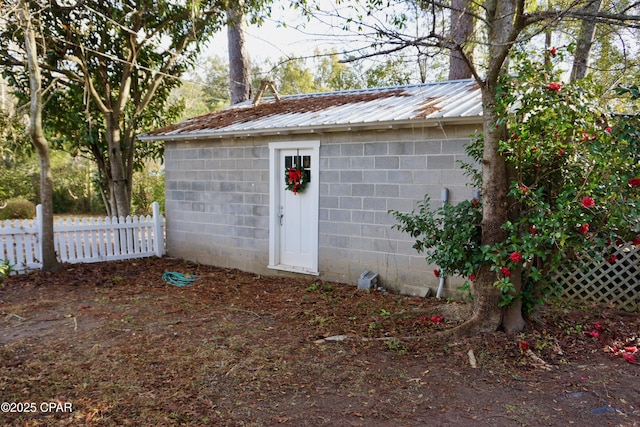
(584, 43)
(504, 21)
(239, 63)
(461, 29)
(119, 185)
(49, 259)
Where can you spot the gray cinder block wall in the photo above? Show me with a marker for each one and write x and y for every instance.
(217, 200)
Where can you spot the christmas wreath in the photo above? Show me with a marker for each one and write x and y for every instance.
(296, 179)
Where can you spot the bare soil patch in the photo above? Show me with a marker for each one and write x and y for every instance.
(125, 348)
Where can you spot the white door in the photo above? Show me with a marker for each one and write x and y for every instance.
(295, 223)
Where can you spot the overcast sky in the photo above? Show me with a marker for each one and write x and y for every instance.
(272, 40)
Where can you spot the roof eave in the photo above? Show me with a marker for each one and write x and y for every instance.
(314, 129)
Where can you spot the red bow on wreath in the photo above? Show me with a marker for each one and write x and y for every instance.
(295, 179)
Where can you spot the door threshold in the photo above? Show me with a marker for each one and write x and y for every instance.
(294, 269)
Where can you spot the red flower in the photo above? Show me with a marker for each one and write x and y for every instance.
(612, 259)
(629, 358)
(584, 228)
(436, 273)
(524, 346)
(554, 86)
(437, 319)
(586, 136)
(597, 326)
(524, 189)
(533, 230)
(634, 182)
(608, 129)
(475, 202)
(553, 51)
(561, 151)
(505, 272)
(473, 277)
(587, 202)
(595, 334)
(636, 241)
(515, 257)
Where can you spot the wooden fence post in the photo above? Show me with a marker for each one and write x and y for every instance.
(158, 230)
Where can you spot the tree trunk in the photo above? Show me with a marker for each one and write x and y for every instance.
(584, 43)
(512, 320)
(119, 185)
(239, 63)
(504, 21)
(49, 259)
(461, 29)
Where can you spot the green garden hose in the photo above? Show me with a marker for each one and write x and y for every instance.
(178, 279)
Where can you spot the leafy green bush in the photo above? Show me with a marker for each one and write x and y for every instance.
(5, 268)
(18, 208)
(574, 188)
(148, 187)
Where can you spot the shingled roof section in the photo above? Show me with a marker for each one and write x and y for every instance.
(333, 111)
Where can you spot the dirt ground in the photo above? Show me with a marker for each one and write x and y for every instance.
(112, 344)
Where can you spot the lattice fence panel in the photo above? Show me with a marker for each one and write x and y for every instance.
(615, 280)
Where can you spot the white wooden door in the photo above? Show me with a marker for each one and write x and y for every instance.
(295, 222)
(295, 225)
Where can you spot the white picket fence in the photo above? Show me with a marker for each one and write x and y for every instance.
(83, 239)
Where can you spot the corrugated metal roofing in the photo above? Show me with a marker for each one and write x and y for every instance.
(458, 100)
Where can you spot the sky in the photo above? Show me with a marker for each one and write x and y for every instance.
(273, 40)
(301, 37)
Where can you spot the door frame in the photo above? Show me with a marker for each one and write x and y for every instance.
(276, 183)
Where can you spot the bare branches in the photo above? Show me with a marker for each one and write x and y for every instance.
(380, 36)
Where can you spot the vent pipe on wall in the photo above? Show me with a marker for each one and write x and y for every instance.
(444, 197)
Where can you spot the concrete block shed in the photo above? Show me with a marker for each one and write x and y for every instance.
(364, 151)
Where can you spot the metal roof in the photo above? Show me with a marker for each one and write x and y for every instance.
(450, 101)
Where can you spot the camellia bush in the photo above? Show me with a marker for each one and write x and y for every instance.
(574, 188)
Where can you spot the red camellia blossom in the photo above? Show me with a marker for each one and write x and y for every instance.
(584, 228)
(612, 259)
(553, 51)
(587, 202)
(473, 277)
(634, 182)
(554, 86)
(437, 319)
(595, 334)
(505, 272)
(636, 241)
(515, 257)
(629, 358)
(524, 189)
(524, 346)
(608, 129)
(436, 273)
(533, 230)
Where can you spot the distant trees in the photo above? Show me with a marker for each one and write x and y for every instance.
(114, 65)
